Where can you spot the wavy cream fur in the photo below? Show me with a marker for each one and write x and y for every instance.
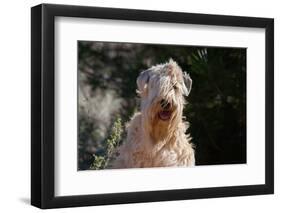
(151, 141)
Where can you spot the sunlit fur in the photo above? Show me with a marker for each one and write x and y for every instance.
(151, 141)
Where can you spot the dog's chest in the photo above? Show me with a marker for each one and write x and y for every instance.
(156, 156)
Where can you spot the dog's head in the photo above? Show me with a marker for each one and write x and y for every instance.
(162, 89)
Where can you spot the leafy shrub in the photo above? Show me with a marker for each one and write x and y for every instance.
(102, 161)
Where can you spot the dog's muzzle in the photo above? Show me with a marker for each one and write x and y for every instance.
(165, 113)
(165, 105)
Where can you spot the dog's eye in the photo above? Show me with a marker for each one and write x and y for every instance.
(175, 87)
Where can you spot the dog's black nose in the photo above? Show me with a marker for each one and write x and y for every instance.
(165, 104)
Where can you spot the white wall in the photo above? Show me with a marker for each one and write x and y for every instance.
(15, 105)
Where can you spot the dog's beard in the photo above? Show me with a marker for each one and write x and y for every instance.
(160, 123)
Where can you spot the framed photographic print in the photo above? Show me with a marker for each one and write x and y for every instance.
(139, 106)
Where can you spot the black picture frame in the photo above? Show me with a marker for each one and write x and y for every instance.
(43, 105)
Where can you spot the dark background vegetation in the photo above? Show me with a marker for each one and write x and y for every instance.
(216, 106)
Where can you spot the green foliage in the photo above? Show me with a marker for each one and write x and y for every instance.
(98, 162)
(101, 162)
(217, 109)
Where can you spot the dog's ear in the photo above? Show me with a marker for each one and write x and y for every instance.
(187, 84)
(142, 82)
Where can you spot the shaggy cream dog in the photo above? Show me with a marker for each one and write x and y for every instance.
(156, 135)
